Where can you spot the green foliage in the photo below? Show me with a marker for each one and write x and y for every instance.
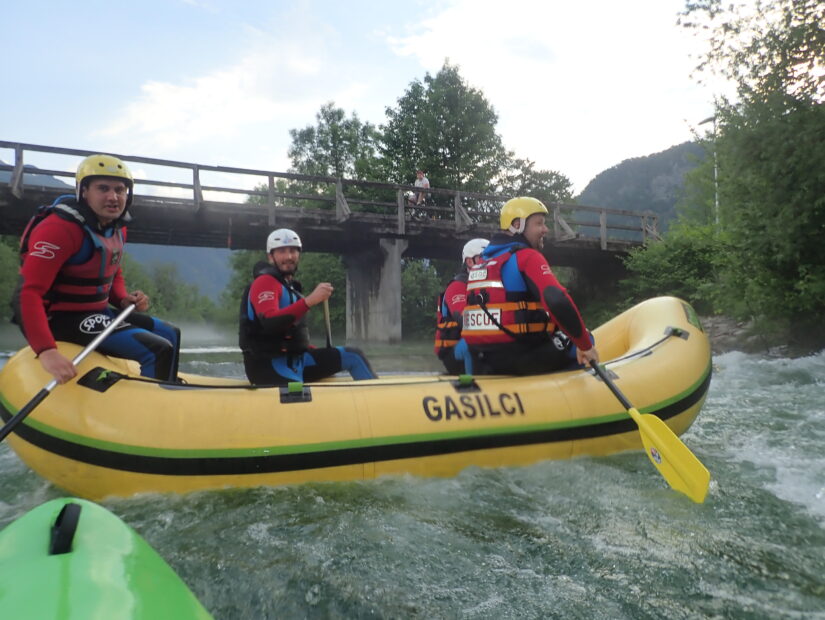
(522, 179)
(697, 204)
(9, 266)
(420, 287)
(339, 147)
(336, 146)
(770, 151)
(171, 297)
(765, 49)
(446, 128)
(683, 265)
(772, 205)
(242, 262)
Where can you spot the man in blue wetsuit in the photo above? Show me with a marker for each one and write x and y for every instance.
(273, 334)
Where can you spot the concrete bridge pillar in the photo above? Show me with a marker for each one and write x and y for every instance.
(374, 292)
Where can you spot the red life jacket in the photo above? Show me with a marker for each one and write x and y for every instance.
(500, 312)
(85, 279)
(85, 286)
(448, 328)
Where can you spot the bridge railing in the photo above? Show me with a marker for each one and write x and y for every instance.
(190, 183)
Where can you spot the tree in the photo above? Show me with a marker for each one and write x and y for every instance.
(684, 265)
(764, 48)
(170, 296)
(522, 179)
(336, 146)
(420, 286)
(770, 153)
(446, 128)
(317, 267)
(9, 266)
(772, 207)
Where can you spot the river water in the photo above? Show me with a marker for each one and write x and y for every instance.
(587, 538)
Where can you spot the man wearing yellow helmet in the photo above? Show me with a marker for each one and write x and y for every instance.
(518, 317)
(71, 277)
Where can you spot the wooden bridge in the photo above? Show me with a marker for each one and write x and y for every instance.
(368, 224)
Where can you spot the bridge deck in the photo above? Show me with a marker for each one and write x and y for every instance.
(335, 215)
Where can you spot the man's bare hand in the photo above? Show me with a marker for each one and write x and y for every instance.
(585, 357)
(321, 293)
(58, 366)
(139, 298)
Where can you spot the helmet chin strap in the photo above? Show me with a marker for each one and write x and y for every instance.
(520, 228)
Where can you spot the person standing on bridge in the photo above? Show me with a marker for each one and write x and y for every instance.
(450, 348)
(518, 318)
(71, 281)
(273, 334)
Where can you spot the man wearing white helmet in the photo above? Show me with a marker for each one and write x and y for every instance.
(273, 334)
(449, 347)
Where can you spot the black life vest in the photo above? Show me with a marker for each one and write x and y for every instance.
(252, 338)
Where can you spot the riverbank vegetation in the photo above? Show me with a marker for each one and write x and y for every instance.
(748, 241)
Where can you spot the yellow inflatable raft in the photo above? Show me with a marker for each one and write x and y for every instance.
(111, 432)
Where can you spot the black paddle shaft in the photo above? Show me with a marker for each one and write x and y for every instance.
(609, 383)
(20, 415)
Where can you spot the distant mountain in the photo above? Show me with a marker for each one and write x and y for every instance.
(207, 268)
(34, 179)
(654, 182)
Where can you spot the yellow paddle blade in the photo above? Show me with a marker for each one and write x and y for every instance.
(674, 460)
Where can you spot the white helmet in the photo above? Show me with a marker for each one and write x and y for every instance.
(282, 238)
(474, 247)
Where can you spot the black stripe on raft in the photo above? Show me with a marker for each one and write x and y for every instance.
(178, 466)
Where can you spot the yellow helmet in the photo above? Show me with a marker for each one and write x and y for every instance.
(519, 208)
(103, 166)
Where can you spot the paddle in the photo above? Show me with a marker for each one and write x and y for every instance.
(674, 460)
(327, 324)
(42, 394)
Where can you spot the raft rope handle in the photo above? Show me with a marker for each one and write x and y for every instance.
(669, 333)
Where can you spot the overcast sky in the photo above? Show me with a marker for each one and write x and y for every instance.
(577, 86)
